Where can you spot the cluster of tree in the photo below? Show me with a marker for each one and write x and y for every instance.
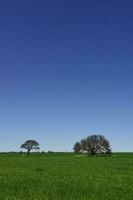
(93, 144)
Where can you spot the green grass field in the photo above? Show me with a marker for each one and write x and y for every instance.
(66, 177)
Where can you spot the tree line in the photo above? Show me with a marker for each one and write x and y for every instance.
(93, 144)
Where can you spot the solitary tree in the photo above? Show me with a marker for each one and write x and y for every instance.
(77, 147)
(93, 144)
(30, 145)
(97, 144)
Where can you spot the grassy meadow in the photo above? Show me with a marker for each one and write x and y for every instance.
(66, 177)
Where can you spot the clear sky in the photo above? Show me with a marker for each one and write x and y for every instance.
(66, 71)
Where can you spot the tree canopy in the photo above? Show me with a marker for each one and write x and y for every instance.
(93, 144)
(30, 145)
(77, 147)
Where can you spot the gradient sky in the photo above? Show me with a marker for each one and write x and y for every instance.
(66, 71)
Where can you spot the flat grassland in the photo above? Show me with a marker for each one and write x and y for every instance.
(66, 177)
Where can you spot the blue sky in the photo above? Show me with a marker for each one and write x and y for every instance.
(66, 71)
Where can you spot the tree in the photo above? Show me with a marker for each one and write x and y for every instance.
(30, 145)
(77, 147)
(97, 144)
(94, 144)
(83, 144)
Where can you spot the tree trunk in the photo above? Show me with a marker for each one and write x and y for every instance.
(28, 152)
(93, 152)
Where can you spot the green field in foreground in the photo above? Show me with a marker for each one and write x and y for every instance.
(66, 177)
